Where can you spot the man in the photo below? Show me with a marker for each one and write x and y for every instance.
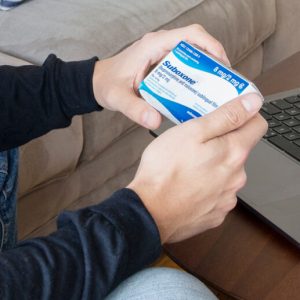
(176, 193)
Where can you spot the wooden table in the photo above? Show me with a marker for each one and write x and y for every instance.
(244, 258)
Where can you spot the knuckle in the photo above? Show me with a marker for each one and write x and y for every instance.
(239, 156)
(218, 221)
(261, 125)
(197, 27)
(261, 120)
(235, 154)
(148, 37)
(264, 124)
(225, 145)
(230, 205)
(218, 46)
(241, 181)
(232, 116)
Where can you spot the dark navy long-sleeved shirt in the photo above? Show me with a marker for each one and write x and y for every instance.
(95, 248)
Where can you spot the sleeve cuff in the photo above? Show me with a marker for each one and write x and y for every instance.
(76, 89)
(126, 211)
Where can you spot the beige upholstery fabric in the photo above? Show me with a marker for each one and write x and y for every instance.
(11, 61)
(286, 39)
(78, 30)
(240, 25)
(102, 129)
(251, 67)
(52, 156)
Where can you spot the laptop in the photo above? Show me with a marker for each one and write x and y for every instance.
(273, 168)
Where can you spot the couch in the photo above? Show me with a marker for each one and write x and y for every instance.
(81, 165)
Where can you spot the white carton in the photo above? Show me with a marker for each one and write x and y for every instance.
(188, 84)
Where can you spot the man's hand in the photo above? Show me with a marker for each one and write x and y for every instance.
(116, 79)
(189, 176)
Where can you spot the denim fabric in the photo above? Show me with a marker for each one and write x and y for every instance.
(8, 4)
(163, 284)
(8, 196)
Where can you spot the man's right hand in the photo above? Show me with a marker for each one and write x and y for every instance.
(189, 176)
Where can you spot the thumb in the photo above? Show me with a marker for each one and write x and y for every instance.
(230, 116)
(139, 111)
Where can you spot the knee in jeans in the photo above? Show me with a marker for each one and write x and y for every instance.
(162, 283)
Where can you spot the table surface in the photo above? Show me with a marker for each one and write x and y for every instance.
(244, 257)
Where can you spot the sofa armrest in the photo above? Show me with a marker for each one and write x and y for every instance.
(285, 41)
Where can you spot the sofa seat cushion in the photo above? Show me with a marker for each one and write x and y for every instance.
(50, 157)
(102, 129)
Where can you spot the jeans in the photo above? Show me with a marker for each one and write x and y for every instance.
(162, 284)
(9, 161)
(8, 4)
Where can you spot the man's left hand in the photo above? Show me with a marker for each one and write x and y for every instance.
(116, 79)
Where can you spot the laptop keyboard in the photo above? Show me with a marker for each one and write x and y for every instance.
(283, 117)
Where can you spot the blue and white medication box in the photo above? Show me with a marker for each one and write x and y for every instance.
(188, 84)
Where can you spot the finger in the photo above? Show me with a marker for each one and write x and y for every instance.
(250, 134)
(226, 118)
(194, 34)
(210, 44)
(139, 111)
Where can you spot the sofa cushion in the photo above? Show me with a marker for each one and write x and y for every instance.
(285, 41)
(80, 29)
(50, 157)
(11, 60)
(101, 27)
(102, 129)
(241, 26)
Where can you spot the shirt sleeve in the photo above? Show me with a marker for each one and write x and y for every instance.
(93, 250)
(37, 99)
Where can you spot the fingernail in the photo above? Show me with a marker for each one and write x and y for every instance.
(149, 119)
(252, 102)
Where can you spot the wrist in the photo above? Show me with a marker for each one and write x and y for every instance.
(99, 82)
(151, 201)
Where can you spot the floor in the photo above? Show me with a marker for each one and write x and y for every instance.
(165, 261)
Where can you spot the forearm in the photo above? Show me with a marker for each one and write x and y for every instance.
(93, 250)
(35, 100)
